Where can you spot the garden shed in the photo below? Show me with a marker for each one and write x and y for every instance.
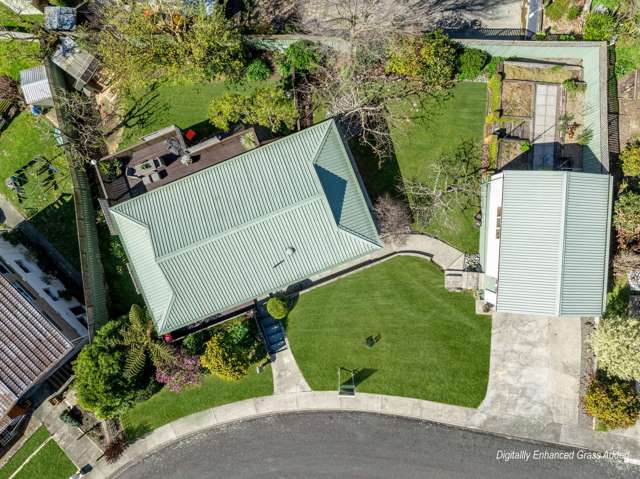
(35, 87)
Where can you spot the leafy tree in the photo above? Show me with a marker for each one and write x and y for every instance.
(599, 26)
(278, 306)
(301, 57)
(471, 62)
(257, 70)
(141, 343)
(612, 401)
(626, 218)
(223, 360)
(630, 158)
(143, 42)
(431, 59)
(616, 344)
(267, 106)
(100, 385)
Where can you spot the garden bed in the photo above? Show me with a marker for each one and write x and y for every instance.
(431, 343)
(517, 98)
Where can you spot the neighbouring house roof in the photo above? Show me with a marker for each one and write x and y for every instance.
(31, 346)
(246, 227)
(554, 241)
(59, 18)
(35, 86)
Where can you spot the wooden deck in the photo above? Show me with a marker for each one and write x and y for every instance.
(126, 186)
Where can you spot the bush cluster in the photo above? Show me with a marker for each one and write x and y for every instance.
(257, 70)
(630, 159)
(612, 401)
(599, 26)
(278, 306)
(626, 218)
(471, 62)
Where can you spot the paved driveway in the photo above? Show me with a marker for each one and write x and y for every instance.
(535, 368)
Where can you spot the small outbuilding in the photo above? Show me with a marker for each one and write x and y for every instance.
(35, 87)
(544, 242)
(60, 18)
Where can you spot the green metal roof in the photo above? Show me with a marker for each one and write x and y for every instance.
(218, 238)
(554, 242)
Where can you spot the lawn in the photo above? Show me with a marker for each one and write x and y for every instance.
(166, 406)
(437, 130)
(50, 462)
(45, 195)
(16, 56)
(12, 21)
(432, 345)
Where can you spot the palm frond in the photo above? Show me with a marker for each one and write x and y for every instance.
(136, 359)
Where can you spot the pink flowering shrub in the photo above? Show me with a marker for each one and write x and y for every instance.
(183, 371)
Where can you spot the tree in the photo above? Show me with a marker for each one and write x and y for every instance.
(141, 343)
(626, 218)
(144, 42)
(9, 89)
(454, 183)
(612, 401)
(99, 383)
(223, 360)
(266, 106)
(300, 57)
(257, 70)
(430, 59)
(630, 158)
(278, 306)
(181, 372)
(392, 214)
(616, 345)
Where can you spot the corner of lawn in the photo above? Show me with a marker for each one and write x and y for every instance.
(431, 344)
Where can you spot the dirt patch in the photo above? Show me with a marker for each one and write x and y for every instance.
(629, 100)
(511, 156)
(517, 98)
(547, 73)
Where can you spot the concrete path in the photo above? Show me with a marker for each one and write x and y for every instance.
(287, 377)
(80, 449)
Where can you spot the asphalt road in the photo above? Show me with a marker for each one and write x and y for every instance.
(359, 445)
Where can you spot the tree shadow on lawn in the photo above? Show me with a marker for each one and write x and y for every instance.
(143, 109)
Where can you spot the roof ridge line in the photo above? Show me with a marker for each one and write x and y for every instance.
(198, 244)
(563, 243)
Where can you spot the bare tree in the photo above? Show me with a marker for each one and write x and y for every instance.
(454, 184)
(392, 214)
(273, 15)
(9, 89)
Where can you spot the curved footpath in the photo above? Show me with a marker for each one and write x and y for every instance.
(507, 410)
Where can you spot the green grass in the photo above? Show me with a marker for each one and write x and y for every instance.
(166, 406)
(433, 346)
(436, 130)
(16, 56)
(627, 55)
(30, 445)
(50, 462)
(183, 105)
(11, 21)
(46, 199)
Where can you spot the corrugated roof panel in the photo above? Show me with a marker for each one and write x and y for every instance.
(530, 243)
(585, 247)
(217, 238)
(35, 86)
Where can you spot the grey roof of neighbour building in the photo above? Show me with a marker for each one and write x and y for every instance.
(554, 242)
(60, 18)
(35, 86)
(31, 346)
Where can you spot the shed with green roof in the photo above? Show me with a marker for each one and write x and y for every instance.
(239, 230)
(545, 242)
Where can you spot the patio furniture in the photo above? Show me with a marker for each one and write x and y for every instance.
(158, 162)
(155, 176)
(190, 134)
(146, 180)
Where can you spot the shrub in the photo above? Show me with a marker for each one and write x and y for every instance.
(183, 371)
(301, 57)
(556, 10)
(573, 12)
(630, 159)
(248, 141)
(471, 62)
(278, 307)
(223, 360)
(584, 137)
(114, 449)
(599, 26)
(570, 85)
(616, 344)
(67, 417)
(492, 67)
(626, 218)
(257, 70)
(194, 344)
(525, 146)
(100, 383)
(613, 402)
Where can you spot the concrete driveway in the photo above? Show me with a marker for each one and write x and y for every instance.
(535, 368)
